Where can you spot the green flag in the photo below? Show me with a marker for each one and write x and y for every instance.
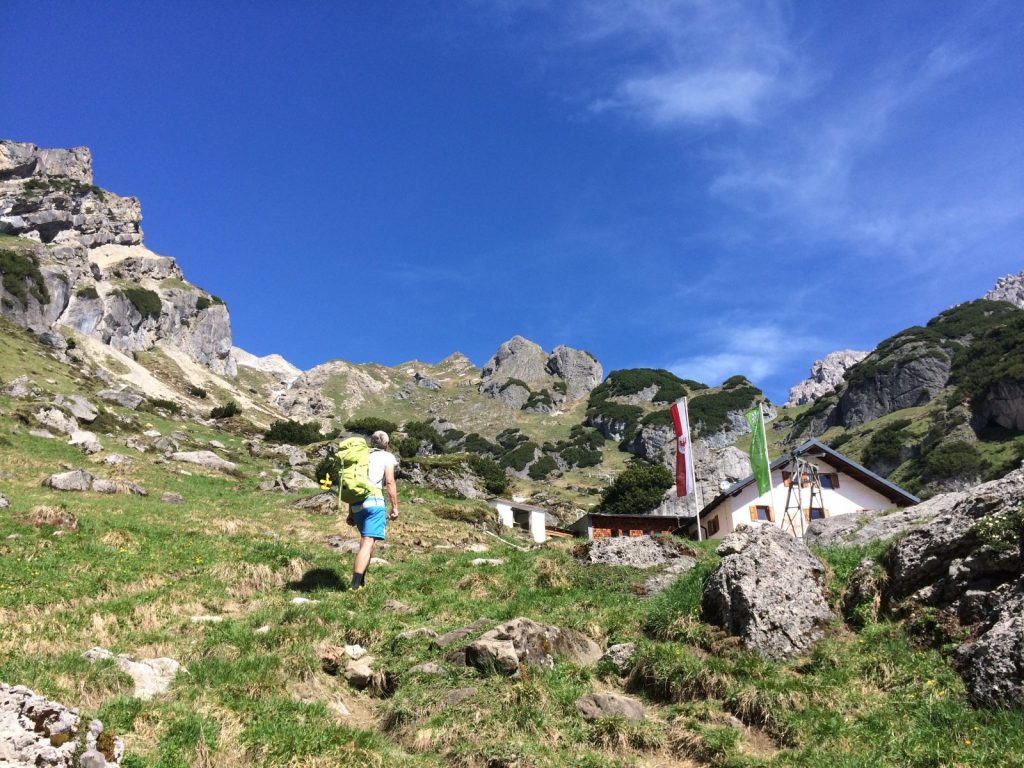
(759, 450)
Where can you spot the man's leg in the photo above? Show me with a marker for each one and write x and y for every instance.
(363, 556)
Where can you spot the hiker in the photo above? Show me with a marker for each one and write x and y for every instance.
(369, 514)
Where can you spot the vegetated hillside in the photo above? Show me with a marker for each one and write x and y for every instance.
(211, 571)
(934, 407)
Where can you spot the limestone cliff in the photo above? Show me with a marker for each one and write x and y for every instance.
(525, 377)
(77, 260)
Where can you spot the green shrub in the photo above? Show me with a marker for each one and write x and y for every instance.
(520, 456)
(542, 467)
(203, 302)
(87, 292)
(629, 381)
(167, 405)
(226, 411)
(406, 447)
(1001, 532)
(22, 278)
(658, 419)
(957, 459)
(367, 425)
(425, 433)
(582, 449)
(709, 413)
(473, 513)
(195, 391)
(510, 438)
(885, 444)
(514, 383)
(997, 354)
(736, 381)
(608, 411)
(474, 443)
(540, 399)
(638, 490)
(145, 301)
(293, 432)
(453, 435)
(494, 478)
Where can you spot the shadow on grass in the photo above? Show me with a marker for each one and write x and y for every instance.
(318, 578)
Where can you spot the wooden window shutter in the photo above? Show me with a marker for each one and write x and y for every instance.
(753, 513)
(771, 515)
(785, 479)
(835, 480)
(807, 514)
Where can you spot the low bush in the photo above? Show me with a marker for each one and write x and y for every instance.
(474, 443)
(226, 411)
(293, 432)
(146, 302)
(710, 413)
(520, 456)
(493, 476)
(87, 292)
(957, 459)
(195, 391)
(367, 425)
(167, 405)
(638, 490)
(473, 513)
(542, 467)
(629, 381)
(329, 464)
(426, 435)
(886, 443)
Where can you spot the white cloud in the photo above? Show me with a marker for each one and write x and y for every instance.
(756, 351)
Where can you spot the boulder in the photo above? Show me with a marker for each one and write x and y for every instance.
(992, 665)
(600, 706)
(324, 503)
(87, 441)
(73, 480)
(410, 634)
(868, 527)
(620, 656)
(36, 731)
(55, 419)
(19, 388)
(768, 590)
(533, 644)
(656, 584)
(168, 497)
(4, 503)
(151, 676)
(636, 551)
(78, 407)
(456, 635)
(126, 397)
(207, 459)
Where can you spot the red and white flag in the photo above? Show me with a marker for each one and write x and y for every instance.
(684, 451)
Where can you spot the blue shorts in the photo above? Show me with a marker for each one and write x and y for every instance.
(371, 517)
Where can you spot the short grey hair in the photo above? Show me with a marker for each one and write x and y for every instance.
(380, 439)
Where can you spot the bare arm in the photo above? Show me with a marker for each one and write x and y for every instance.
(392, 489)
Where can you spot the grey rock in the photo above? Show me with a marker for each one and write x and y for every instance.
(126, 397)
(635, 551)
(151, 676)
(295, 455)
(100, 485)
(275, 365)
(992, 666)
(517, 358)
(207, 459)
(599, 706)
(666, 578)
(167, 497)
(73, 480)
(456, 696)
(512, 395)
(395, 606)
(918, 374)
(78, 406)
(360, 673)
(425, 382)
(456, 481)
(430, 668)
(55, 419)
(115, 460)
(826, 375)
(532, 644)
(343, 544)
(1002, 404)
(19, 388)
(1009, 288)
(867, 527)
(36, 731)
(579, 369)
(456, 635)
(52, 340)
(621, 656)
(298, 481)
(768, 590)
(4, 503)
(87, 441)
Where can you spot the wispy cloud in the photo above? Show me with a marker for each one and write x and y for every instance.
(757, 351)
(693, 61)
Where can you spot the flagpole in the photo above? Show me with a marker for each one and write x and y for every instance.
(691, 469)
(767, 458)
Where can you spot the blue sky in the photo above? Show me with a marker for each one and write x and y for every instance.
(708, 186)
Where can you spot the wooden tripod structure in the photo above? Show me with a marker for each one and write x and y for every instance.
(801, 468)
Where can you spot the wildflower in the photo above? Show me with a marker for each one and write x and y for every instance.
(967, 742)
(930, 683)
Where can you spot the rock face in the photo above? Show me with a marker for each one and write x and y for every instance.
(961, 557)
(275, 365)
(87, 268)
(768, 590)
(522, 375)
(826, 375)
(457, 481)
(529, 643)
(919, 375)
(36, 731)
(1009, 288)
(1002, 404)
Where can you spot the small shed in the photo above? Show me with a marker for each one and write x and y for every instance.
(514, 514)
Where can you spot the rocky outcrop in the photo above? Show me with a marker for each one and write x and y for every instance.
(1002, 404)
(206, 459)
(905, 380)
(635, 551)
(86, 268)
(826, 375)
(1009, 288)
(768, 590)
(598, 706)
(151, 676)
(579, 369)
(458, 481)
(48, 196)
(37, 731)
(283, 371)
(520, 368)
(524, 642)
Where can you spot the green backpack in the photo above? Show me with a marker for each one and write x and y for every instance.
(354, 455)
